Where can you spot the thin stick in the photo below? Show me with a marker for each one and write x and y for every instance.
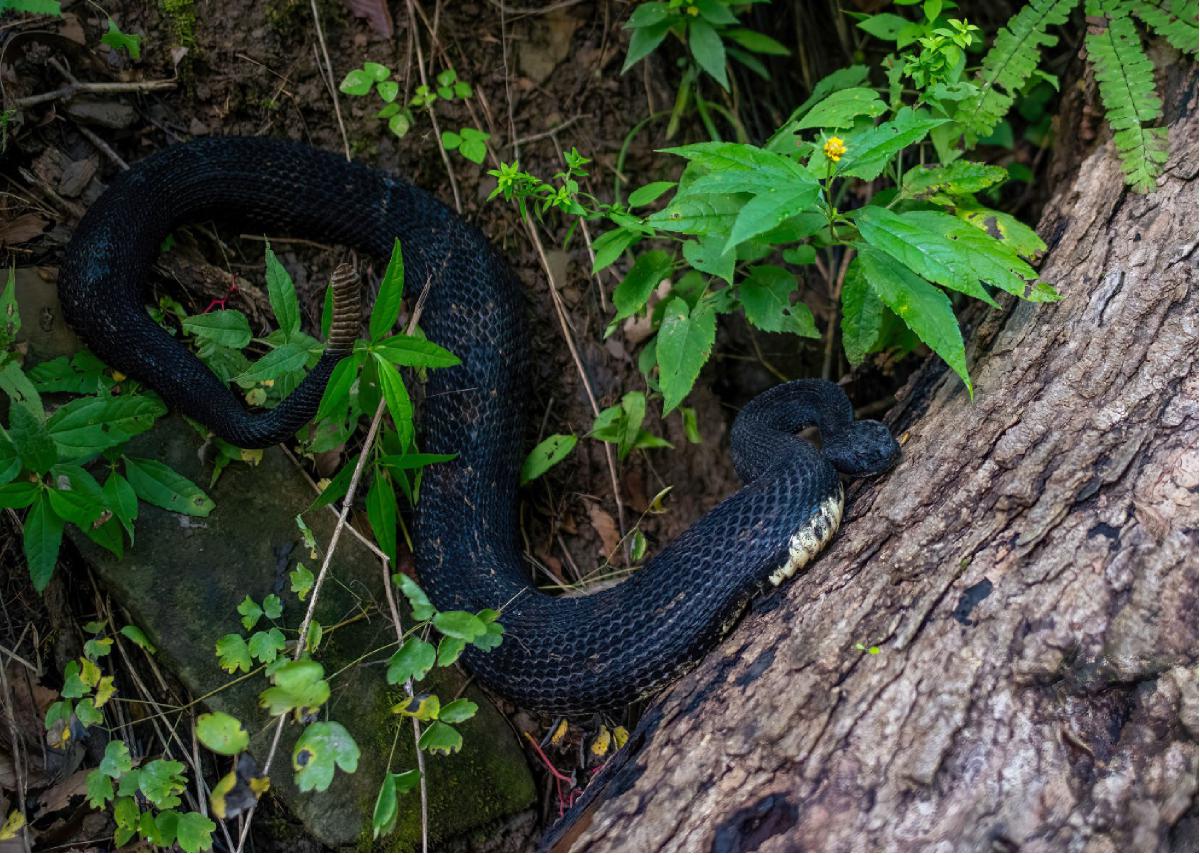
(330, 81)
(412, 18)
(72, 89)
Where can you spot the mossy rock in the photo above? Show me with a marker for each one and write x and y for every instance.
(182, 582)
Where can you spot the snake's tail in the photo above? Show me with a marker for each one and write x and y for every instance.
(347, 311)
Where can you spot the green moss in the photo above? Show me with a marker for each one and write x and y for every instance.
(183, 17)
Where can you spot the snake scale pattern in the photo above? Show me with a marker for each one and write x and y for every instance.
(560, 654)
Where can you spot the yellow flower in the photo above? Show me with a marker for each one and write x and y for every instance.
(835, 147)
(693, 11)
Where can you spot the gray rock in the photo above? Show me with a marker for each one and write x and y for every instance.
(182, 583)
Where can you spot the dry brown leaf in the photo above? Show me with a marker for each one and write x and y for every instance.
(606, 527)
(21, 229)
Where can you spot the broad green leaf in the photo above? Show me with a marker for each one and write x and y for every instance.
(415, 352)
(884, 25)
(755, 41)
(42, 539)
(99, 789)
(391, 292)
(1005, 228)
(698, 215)
(19, 494)
(706, 46)
(768, 210)
(990, 260)
(439, 738)
(162, 486)
(31, 440)
(227, 327)
(639, 283)
(458, 711)
(862, 315)
(869, 153)
(738, 167)
(458, 624)
(708, 255)
(449, 649)
(412, 661)
(551, 450)
(120, 498)
(928, 254)
(609, 246)
(923, 308)
(250, 612)
(297, 686)
(221, 733)
(960, 177)
(841, 108)
(21, 390)
(356, 82)
(194, 831)
(302, 581)
(685, 341)
(116, 762)
(337, 391)
(266, 645)
(161, 782)
(138, 637)
(322, 746)
(396, 395)
(86, 426)
(844, 78)
(232, 653)
(382, 513)
(288, 357)
(282, 294)
(766, 297)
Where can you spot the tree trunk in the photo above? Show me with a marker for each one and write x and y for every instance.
(1028, 573)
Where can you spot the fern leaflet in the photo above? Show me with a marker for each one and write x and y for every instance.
(1174, 20)
(1126, 79)
(1013, 57)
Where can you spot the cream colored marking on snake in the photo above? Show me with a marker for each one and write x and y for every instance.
(804, 545)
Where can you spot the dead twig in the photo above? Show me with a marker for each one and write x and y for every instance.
(330, 81)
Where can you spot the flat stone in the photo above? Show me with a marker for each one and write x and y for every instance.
(182, 582)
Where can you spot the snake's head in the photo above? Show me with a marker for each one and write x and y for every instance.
(865, 448)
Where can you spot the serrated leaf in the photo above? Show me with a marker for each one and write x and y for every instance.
(924, 309)
(282, 294)
(698, 214)
(422, 608)
(232, 654)
(869, 153)
(440, 738)
(391, 293)
(41, 541)
(266, 645)
(298, 686)
(322, 746)
(86, 426)
(160, 485)
(862, 315)
(412, 661)
(957, 179)
(765, 296)
(684, 342)
(840, 109)
(639, 283)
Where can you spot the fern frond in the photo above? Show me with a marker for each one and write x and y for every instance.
(1174, 20)
(1015, 54)
(1126, 79)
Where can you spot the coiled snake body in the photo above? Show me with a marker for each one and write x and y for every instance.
(560, 654)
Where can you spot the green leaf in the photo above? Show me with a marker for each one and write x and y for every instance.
(297, 686)
(706, 46)
(415, 352)
(868, 154)
(769, 210)
(117, 40)
(423, 707)
(708, 255)
(288, 357)
(844, 78)
(639, 283)
(138, 637)
(458, 711)
(387, 90)
(194, 832)
(282, 294)
(31, 440)
(302, 581)
(840, 109)
(884, 25)
(649, 193)
(862, 315)
(162, 486)
(551, 450)
(74, 685)
(957, 179)
(382, 513)
(227, 327)
(698, 215)
(1003, 227)
(457, 624)
(19, 494)
(250, 612)
(99, 789)
(928, 254)
(449, 649)
(412, 661)
(86, 426)
(609, 246)
(320, 747)
(685, 341)
(266, 645)
(766, 297)
(422, 608)
(440, 738)
(924, 309)
(42, 539)
(21, 390)
(120, 498)
(1174, 20)
(232, 654)
(161, 782)
(645, 38)
(757, 42)
(356, 82)
(116, 761)
(396, 396)
(391, 292)
(221, 733)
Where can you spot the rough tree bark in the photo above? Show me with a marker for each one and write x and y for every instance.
(1028, 571)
